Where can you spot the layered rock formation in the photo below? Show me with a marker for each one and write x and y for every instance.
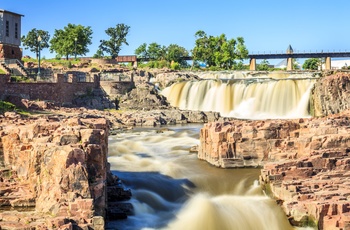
(305, 161)
(53, 172)
(331, 94)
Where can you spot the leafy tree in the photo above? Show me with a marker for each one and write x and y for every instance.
(156, 51)
(295, 63)
(117, 39)
(218, 51)
(264, 65)
(240, 66)
(98, 54)
(141, 51)
(175, 53)
(31, 41)
(153, 51)
(73, 39)
(312, 64)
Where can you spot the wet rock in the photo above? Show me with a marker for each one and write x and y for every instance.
(305, 163)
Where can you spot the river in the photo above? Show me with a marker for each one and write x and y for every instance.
(172, 189)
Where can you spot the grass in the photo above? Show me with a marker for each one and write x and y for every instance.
(6, 106)
(2, 71)
(54, 62)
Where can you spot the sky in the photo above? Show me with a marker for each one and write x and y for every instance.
(266, 26)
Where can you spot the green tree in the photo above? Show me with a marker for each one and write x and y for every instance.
(141, 51)
(72, 40)
(176, 53)
(117, 39)
(31, 41)
(312, 64)
(98, 54)
(218, 51)
(156, 51)
(240, 66)
(264, 65)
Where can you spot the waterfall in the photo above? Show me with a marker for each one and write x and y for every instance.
(172, 189)
(249, 98)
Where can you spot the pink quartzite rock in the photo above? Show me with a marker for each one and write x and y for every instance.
(306, 163)
(57, 170)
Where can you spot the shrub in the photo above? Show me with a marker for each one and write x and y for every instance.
(175, 66)
(6, 106)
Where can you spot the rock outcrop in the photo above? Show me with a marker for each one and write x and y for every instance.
(331, 94)
(305, 163)
(241, 143)
(53, 172)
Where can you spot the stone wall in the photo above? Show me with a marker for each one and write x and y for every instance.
(61, 91)
(10, 52)
(59, 168)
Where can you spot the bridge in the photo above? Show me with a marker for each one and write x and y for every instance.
(289, 55)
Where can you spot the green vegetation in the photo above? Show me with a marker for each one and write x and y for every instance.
(55, 62)
(219, 51)
(161, 56)
(31, 41)
(263, 66)
(6, 106)
(312, 64)
(2, 71)
(153, 51)
(20, 79)
(72, 40)
(117, 39)
(308, 221)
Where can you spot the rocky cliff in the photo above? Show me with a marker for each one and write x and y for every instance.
(305, 161)
(331, 94)
(53, 172)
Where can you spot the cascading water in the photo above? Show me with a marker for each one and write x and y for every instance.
(172, 189)
(259, 97)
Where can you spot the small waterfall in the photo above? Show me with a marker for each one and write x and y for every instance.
(230, 212)
(249, 98)
(172, 189)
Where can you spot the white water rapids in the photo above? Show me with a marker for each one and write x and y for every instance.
(173, 190)
(262, 97)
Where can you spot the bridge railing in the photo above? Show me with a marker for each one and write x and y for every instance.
(299, 52)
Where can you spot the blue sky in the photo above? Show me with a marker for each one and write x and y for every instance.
(270, 25)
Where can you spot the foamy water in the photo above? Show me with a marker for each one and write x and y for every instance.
(172, 189)
(266, 97)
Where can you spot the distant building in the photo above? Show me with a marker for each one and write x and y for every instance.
(10, 35)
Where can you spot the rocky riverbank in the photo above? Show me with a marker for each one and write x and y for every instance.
(53, 164)
(54, 173)
(305, 161)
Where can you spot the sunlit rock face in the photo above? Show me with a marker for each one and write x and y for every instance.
(248, 143)
(331, 94)
(55, 168)
(315, 187)
(305, 162)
